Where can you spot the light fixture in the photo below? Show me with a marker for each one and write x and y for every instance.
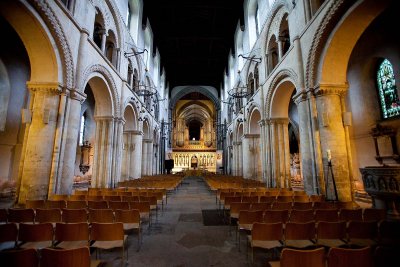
(134, 53)
(252, 59)
(239, 91)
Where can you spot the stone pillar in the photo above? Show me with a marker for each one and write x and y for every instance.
(240, 158)
(71, 128)
(144, 157)
(229, 161)
(136, 154)
(126, 156)
(262, 152)
(103, 42)
(280, 48)
(332, 132)
(235, 162)
(149, 155)
(309, 142)
(250, 145)
(37, 154)
(280, 158)
(117, 151)
(103, 152)
(268, 155)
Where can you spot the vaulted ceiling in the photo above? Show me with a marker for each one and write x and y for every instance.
(194, 38)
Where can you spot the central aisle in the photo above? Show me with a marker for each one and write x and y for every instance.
(179, 238)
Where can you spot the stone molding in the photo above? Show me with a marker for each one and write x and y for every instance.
(55, 28)
(331, 89)
(237, 143)
(250, 136)
(77, 95)
(134, 132)
(148, 141)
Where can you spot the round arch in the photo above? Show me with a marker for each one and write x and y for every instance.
(131, 121)
(254, 118)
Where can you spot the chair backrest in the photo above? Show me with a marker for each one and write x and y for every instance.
(236, 207)
(361, 230)
(101, 215)
(35, 232)
(301, 216)
(77, 197)
(302, 205)
(260, 206)
(72, 232)
(121, 205)
(48, 215)
(3, 215)
(350, 215)
(327, 215)
(59, 197)
(112, 198)
(267, 199)
(76, 204)
(250, 217)
(74, 215)
(97, 204)
(284, 198)
(94, 198)
(370, 214)
(143, 207)
(344, 257)
(282, 205)
(56, 204)
(267, 231)
(21, 257)
(127, 216)
(21, 215)
(301, 258)
(274, 216)
(107, 231)
(251, 199)
(35, 204)
(8, 232)
(331, 230)
(300, 231)
(77, 257)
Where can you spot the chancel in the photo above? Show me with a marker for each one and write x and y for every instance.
(199, 133)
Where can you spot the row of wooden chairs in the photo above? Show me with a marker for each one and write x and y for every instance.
(300, 215)
(142, 209)
(338, 257)
(49, 257)
(326, 234)
(64, 235)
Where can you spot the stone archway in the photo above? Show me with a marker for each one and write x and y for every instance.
(252, 147)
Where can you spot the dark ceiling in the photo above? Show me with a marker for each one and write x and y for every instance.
(194, 37)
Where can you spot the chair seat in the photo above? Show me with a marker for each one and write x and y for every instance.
(130, 226)
(362, 242)
(267, 244)
(37, 245)
(299, 243)
(73, 244)
(7, 245)
(246, 226)
(109, 244)
(234, 215)
(331, 242)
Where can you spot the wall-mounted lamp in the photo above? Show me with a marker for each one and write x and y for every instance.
(134, 53)
(253, 59)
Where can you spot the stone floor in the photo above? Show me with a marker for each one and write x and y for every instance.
(178, 237)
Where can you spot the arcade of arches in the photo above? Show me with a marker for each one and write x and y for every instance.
(73, 110)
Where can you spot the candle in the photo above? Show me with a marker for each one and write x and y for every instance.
(328, 154)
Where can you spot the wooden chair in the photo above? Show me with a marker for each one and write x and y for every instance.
(299, 235)
(77, 257)
(35, 236)
(21, 215)
(3, 216)
(301, 216)
(250, 199)
(130, 220)
(35, 204)
(108, 236)
(246, 221)
(8, 236)
(331, 234)
(266, 236)
(19, 258)
(386, 256)
(345, 257)
(56, 204)
(267, 199)
(112, 198)
(71, 235)
(324, 205)
(236, 207)
(350, 215)
(74, 215)
(48, 215)
(144, 210)
(275, 216)
(59, 197)
(362, 233)
(77, 197)
(101, 216)
(327, 215)
(260, 206)
(98, 204)
(76, 204)
(302, 205)
(282, 206)
(377, 215)
(118, 205)
(301, 258)
(94, 198)
(284, 198)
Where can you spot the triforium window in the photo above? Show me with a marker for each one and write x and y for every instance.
(389, 100)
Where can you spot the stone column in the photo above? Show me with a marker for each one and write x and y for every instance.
(71, 128)
(240, 158)
(126, 156)
(280, 48)
(136, 154)
(117, 151)
(262, 155)
(268, 155)
(229, 161)
(37, 152)
(144, 157)
(103, 152)
(250, 144)
(333, 137)
(235, 159)
(309, 142)
(150, 157)
(103, 41)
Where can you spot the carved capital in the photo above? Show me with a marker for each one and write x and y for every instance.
(330, 89)
(77, 95)
(45, 87)
(261, 123)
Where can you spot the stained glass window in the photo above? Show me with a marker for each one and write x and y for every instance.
(389, 100)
